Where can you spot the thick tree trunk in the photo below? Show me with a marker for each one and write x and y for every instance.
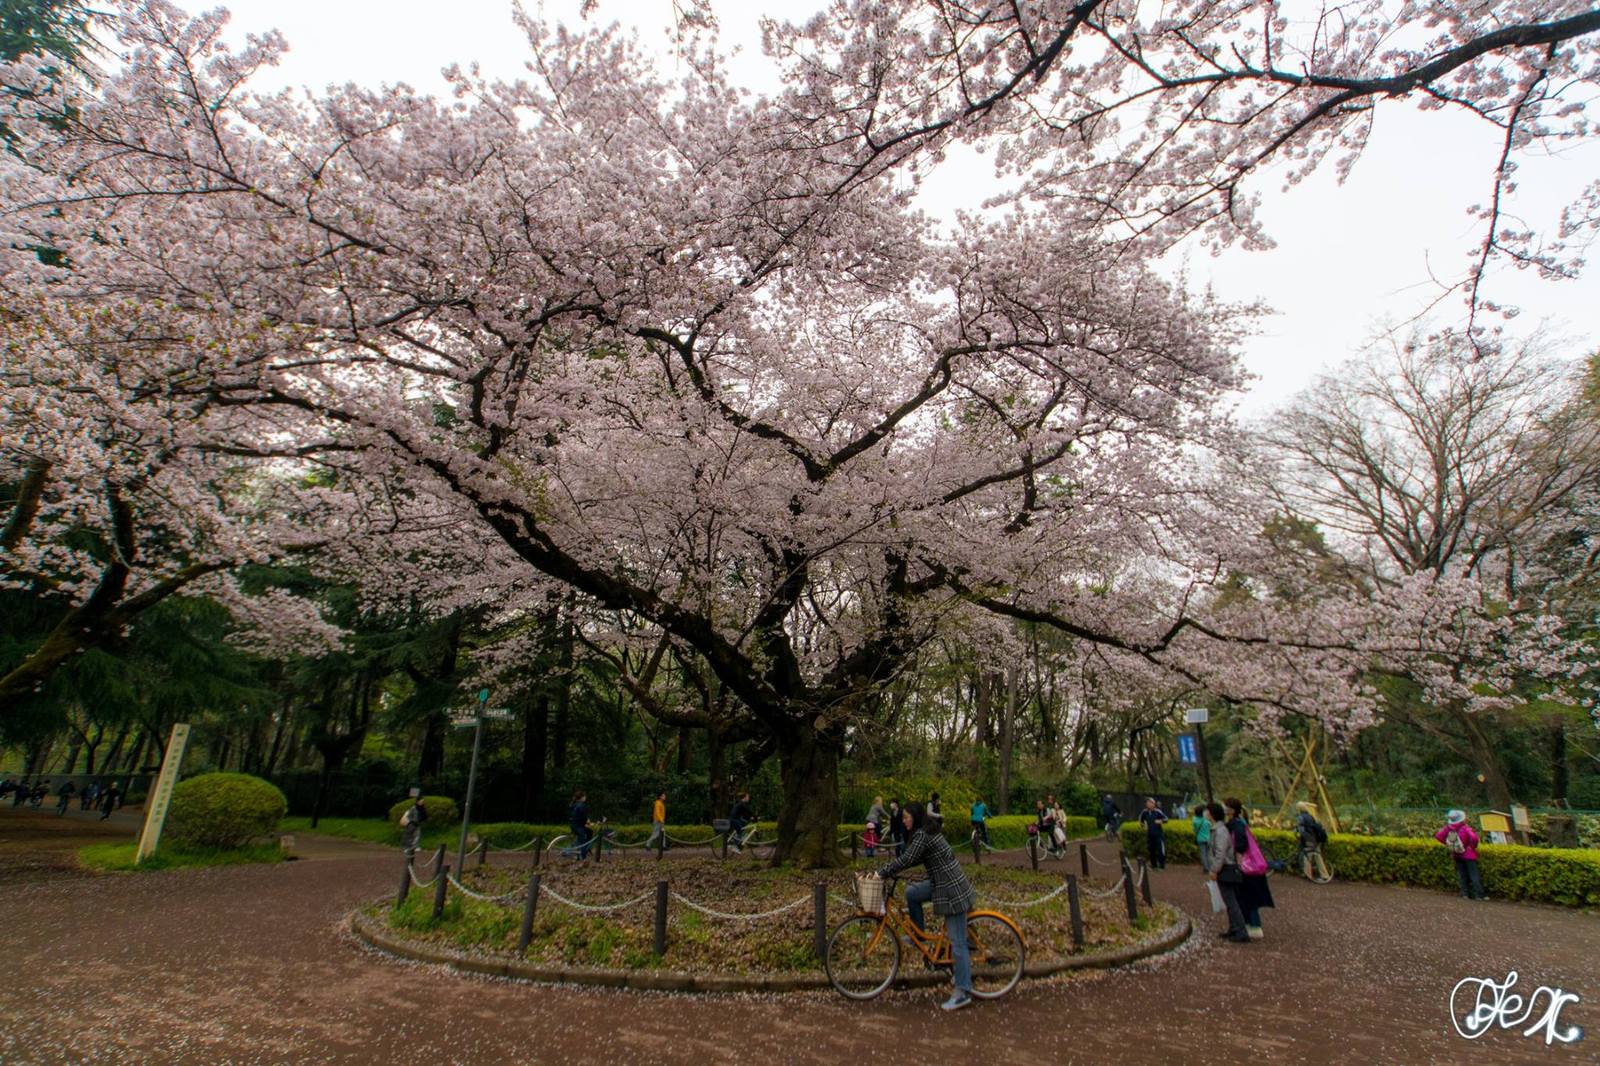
(808, 821)
(535, 738)
(1488, 762)
(1008, 732)
(1559, 780)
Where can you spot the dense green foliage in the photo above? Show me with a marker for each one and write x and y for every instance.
(1566, 876)
(442, 810)
(221, 810)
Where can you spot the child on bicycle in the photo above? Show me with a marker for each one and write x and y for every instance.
(952, 894)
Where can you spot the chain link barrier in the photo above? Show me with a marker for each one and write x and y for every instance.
(1113, 890)
(596, 908)
(419, 882)
(726, 916)
(499, 900)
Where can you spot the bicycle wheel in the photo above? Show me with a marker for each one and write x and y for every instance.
(997, 955)
(863, 957)
(1316, 868)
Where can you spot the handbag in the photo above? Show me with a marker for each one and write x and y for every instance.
(1252, 863)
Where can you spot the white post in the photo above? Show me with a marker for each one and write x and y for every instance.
(155, 810)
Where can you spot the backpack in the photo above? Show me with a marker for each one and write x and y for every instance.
(1319, 834)
(1452, 840)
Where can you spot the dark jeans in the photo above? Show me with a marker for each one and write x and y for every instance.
(1230, 901)
(982, 829)
(1469, 879)
(1158, 849)
(584, 837)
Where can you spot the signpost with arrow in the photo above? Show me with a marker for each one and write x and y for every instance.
(475, 719)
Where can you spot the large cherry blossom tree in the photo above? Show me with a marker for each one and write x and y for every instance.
(689, 354)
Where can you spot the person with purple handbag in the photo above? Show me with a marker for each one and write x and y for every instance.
(1254, 892)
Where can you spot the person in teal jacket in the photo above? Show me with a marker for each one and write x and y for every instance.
(980, 821)
(1202, 835)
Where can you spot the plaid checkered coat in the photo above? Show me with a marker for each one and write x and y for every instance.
(952, 892)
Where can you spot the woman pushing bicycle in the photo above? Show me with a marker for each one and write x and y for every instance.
(952, 894)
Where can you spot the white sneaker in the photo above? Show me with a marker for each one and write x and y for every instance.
(957, 1001)
(1255, 931)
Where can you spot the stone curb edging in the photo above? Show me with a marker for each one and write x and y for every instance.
(372, 933)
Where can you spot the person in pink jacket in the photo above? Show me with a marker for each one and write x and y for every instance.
(1462, 840)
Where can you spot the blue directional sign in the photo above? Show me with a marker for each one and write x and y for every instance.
(1188, 749)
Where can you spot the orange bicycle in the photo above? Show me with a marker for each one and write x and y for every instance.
(864, 950)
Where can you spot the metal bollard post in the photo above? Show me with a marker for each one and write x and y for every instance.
(1033, 851)
(1144, 884)
(483, 854)
(405, 881)
(438, 859)
(977, 856)
(1083, 858)
(441, 882)
(724, 845)
(661, 919)
(599, 844)
(538, 851)
(1127, 889)
(819, 919)
(526, 936)
(852, 847)
(1076, 910)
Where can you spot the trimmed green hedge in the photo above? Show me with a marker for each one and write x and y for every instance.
(442, 810)
(1567, 876)
(1005, 831)
(223, 810)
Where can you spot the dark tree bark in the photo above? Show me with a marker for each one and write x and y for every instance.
(535, 742)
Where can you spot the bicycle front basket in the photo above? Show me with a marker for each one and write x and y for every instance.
(870, 894)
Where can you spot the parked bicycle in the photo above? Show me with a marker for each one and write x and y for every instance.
(1306, 859)
(864, 950)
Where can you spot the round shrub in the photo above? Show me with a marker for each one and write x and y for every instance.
(223, 810)
(442, 810)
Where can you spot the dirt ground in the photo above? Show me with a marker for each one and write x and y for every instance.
(252, 964)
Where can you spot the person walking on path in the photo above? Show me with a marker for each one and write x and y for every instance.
(40, 791)
(108, 801)
(411, 825)
(1254, 892)
(19, 792)
(1462, 841)
(1153, 818)
(658, 821)
(980, 820)
(64, 797)
(1202, 834)
(578, 821)
(90, 793)
(897, 828)
(1222, 862)
(877, 816)
(952, 894)
(935, 809)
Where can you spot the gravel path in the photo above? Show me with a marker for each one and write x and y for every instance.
(251, 964)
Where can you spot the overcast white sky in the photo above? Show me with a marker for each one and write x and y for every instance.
(1349, 258)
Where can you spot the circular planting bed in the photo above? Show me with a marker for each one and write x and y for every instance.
(731, 926)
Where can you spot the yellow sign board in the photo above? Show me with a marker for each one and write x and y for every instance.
(1494, 822)
(155, 809)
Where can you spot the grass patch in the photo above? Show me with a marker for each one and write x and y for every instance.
(371, 830)
(781, 943)
(119, 858)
